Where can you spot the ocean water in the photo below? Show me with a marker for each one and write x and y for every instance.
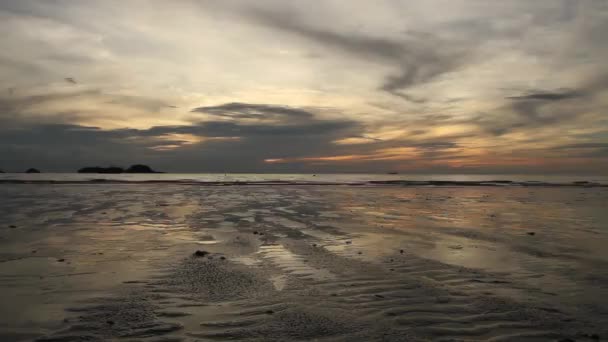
(299, 178)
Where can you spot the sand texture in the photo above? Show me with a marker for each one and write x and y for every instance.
(105, 262)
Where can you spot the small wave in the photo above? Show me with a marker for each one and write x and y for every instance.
(402, 183)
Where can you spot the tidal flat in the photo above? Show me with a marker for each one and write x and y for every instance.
(102, 262)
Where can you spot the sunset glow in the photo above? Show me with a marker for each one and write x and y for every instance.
(438, 86)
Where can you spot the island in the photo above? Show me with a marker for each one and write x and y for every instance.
(32, 170)
(137, 168)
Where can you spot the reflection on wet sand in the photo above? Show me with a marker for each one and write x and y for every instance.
(292, 263)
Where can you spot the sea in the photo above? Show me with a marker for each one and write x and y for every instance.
(295, 178)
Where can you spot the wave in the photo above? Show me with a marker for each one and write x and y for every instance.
(402, 183)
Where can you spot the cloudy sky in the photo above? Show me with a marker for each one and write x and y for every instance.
(440, 86)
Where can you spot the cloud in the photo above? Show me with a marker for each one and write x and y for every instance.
(540, 109)
(419, 57)
(547, 96)
(65, 105)
(236, 110)
(582, 146)
(207, 146)
(481, 84)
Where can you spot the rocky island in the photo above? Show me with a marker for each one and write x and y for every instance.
(137, 168)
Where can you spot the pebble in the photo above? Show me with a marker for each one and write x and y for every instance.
(200, 253)
(592, 336)
(531, 233)
(269, 312)
(60, 260)
(401, 251)
(12, 226)
(443, 300)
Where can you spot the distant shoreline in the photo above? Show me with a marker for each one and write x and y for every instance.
(402, 183)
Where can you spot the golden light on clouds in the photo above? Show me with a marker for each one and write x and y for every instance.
(352, 141)
(179, 140)
(400, 153)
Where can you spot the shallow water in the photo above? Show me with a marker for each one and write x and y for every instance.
(302, 262)
(297, 178)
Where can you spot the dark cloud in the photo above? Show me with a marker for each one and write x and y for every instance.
(539, 109)
(238, 110)
(408, 97)
(585, 150)
(547, 96)
(226, 145)
(582, 146)
(420, 57)
(70, 80)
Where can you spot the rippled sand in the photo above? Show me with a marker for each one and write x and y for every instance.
(331, 263)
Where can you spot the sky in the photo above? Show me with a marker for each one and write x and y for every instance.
(438, 86)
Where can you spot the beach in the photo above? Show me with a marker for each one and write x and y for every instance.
(299, 262)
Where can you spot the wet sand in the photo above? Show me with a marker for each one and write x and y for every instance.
(99, 262)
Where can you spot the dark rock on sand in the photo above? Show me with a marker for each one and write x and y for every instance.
(60, 260)
(32, 170)
(12, 226)
(255, 232)
(595, 337)
(200, 253)
(401, 251)
(531, 233)
(97, 169)
(269, 312)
